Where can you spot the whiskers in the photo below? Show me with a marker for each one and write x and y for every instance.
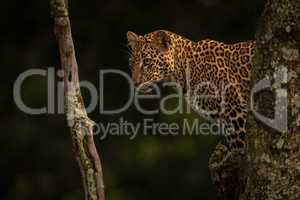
(126, 49)
(127, 54)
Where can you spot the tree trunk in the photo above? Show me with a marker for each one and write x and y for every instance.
(270, 168)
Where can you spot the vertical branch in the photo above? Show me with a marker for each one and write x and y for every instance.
(81, 126)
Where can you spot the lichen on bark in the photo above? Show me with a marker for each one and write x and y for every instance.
(272, 162)
(81, 127)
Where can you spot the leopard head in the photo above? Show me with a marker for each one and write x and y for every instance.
(151, 59)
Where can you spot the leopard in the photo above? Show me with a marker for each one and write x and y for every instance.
(213, 76)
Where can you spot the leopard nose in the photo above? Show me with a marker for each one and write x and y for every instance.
(137, 83)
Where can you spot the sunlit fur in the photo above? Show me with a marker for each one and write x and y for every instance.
(215, 66)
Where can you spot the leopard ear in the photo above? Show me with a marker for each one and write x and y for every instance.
(162, 40)
(132, 38)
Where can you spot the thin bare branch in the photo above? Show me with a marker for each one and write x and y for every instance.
(80, 125)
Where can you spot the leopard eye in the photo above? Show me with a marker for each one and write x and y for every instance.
(147, 61)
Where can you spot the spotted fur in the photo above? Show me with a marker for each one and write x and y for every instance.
(215, 69)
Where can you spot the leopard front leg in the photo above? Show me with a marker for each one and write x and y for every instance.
(234, 123)
(227, 106)
(233, 115)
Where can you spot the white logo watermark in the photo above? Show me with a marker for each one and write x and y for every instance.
(55, 102)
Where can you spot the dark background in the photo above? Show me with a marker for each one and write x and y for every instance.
(36, 157)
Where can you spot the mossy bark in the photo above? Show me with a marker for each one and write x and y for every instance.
(270, 169)
(81, 126)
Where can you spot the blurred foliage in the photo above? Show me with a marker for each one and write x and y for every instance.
(37, 161)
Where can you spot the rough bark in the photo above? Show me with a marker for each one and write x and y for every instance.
(270, 169)
(81, 126)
